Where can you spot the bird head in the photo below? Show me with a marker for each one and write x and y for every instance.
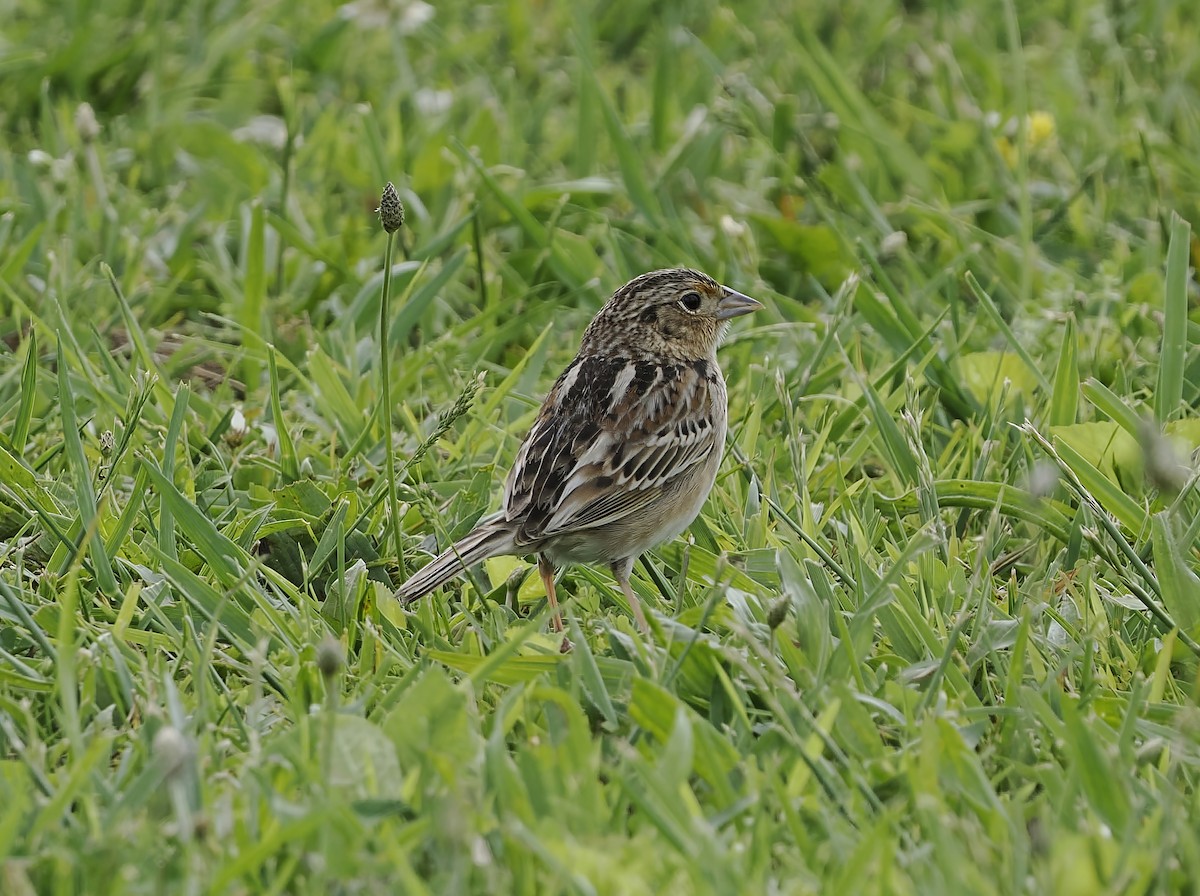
(676, 314)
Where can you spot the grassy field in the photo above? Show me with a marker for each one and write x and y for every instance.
(936, 628)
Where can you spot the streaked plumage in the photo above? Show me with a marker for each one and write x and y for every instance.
(627, 443)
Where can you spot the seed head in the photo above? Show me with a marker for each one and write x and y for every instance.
(172, 749)
(777, 613)
(512, 586)
(85, 123)
(391, 209)
(330, 656)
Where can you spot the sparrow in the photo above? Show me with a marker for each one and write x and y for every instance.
(626, 446)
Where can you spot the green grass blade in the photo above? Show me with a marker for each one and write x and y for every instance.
(251, 312)
(895, 447)
(1064, 399)
(589, 673)
(224, 557)
(1175, 317)
(81, 475)
(288, 461)
(329, 538)
(166, 520)
(1180, 585)
(130, 515)
(332, 396)
(630, 160)
(1105, 792)
(510, 670)
(1109, 403)
(20, 431)
(1110, 496)
(1007, 499)
(17, 475)
(830, 79)
(415, 300)
(560, 262)
(1009, 336)
(140, 342)
(12, 265)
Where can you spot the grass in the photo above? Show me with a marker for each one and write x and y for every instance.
(936, 628)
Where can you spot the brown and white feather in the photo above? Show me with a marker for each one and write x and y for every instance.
(613, 436)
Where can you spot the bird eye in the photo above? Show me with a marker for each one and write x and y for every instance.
(691, 301)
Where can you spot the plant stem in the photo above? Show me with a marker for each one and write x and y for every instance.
(385, 403)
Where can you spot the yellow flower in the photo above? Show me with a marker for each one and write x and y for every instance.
(1007, 150)
(1039, 128)
(1039, 132)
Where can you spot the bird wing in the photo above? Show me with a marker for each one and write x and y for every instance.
(610, 438)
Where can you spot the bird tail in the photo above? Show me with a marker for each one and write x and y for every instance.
(484, 541)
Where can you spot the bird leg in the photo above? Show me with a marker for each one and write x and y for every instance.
(546, 571)
(621, 570)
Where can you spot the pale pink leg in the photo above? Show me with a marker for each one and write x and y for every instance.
(546, 570)
(621, 570)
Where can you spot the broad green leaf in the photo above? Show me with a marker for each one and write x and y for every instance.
(988, 375)
(589, 673)
(1106, 446)
(362, 761)
(435, 724)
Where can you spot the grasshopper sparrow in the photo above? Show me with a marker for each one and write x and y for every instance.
(626, 446)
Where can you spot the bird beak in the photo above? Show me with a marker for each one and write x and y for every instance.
(734, 304)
